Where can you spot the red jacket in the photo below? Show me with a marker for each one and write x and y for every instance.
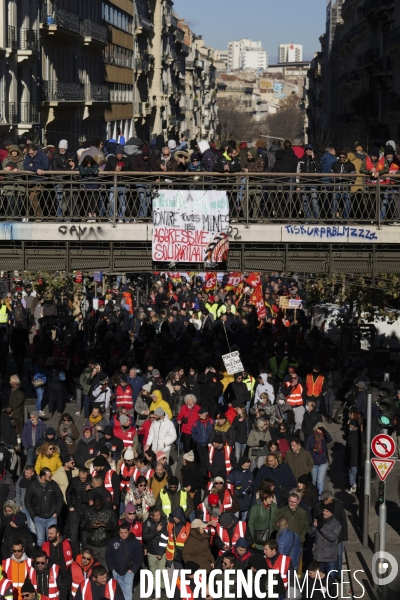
(231, 414)
(126, 435)
(144, 430)
(191, 414)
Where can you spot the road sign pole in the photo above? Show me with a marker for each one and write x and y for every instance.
(367, 472)
(382, 521)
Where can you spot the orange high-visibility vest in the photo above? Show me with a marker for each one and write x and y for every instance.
(314, 388)
(79, 575)
(17, 572)
(227, 452)
(370, 165)
(296, 395)
(173, 541)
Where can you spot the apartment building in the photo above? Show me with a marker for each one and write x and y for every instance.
(361, 61)
(102, 68)
(19, 83)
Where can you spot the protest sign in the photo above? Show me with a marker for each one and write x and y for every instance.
(190, 226)
(296, 304)
(232, 363)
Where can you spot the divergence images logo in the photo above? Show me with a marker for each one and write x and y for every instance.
(384, 568)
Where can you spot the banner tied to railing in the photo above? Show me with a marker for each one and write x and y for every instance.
(191, 226)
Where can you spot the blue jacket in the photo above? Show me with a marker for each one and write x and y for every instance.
(242, 480)
(201, 431)
(282, 476)
(327, 160)
(124, 555)
(27, 433)
(319, 459)
(136, 385)
(289, 545)
(40, 161)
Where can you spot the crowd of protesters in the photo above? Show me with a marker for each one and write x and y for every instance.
(343, 195)
(177, 464)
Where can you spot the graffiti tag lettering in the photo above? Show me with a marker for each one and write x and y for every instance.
(81, 232)
(331, 232)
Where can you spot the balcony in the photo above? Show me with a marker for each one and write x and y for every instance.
(28, 113)
(8, 113)
(93, 31)
(190, 65)
(11, 38)
(185, 49)
(143, 25)
(28, 40)
(60, 91)
(96, 93)
(179, 35)
(55, 18)
(141, 109)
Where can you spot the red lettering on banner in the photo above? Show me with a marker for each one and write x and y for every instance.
(180, 236)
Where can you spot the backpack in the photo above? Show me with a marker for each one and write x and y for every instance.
(18, 313)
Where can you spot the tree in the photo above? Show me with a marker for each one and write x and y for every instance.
(288, 122)
(233, 122)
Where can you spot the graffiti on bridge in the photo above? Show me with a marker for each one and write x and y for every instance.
(82, 233)
(331, 232)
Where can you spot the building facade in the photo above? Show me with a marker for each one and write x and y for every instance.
(360, 74)
(246, 55)
(102, 68)
(290, 53)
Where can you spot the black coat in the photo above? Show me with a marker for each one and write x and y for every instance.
(7, 488)
(8, 434)
(152, 537)
(354, 448)
(285, 161)
(43, 501)
(237, 392)
(76, 494)
(310, 419)
(56, 440)
(15, 534)
(99, 536)
(85, 450)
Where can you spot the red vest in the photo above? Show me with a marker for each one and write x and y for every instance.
(174, 541)
(296, 395)
(78, 575)
(109, 590)
(314, 388)
(6, 588)
(227, 452)
(186, 593)
(282, 565)
(125, 435)
(136, 529)
(239, 531)
(66, 548)
(123, 397)
(53, 587)
(370, 165)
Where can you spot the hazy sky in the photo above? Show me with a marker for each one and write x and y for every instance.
(271, 21)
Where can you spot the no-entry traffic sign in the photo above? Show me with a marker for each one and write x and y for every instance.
(382, 467)
(383, 446)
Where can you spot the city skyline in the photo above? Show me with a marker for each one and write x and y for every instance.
(300, 29)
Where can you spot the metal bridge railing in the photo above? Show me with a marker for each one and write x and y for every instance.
(253, 198)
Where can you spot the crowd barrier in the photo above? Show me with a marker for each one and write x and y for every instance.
(253, 198)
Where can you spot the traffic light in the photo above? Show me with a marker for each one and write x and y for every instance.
(381, 492)
(386, 404)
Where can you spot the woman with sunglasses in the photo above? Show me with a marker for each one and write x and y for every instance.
(48, 456)
(141, 495)
(68, 432)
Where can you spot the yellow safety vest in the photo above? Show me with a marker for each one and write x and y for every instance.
(166, 502)
(281, 370)
(250, 384)
(222, 310)
(212, 308)
(3, 314)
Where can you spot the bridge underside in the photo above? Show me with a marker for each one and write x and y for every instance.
(122, 257)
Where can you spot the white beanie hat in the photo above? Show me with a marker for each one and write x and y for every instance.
(129, 455)
(171, 144)
(63, 144)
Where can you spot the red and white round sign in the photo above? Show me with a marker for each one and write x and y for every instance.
(383, 445)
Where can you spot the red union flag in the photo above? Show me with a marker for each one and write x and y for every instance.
(258, 301)
(254, 280)
(210, 281)
(233, 281)
(174, 277)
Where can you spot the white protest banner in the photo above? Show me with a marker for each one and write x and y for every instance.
(232, 363)
(295, 303)
(190, 226)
